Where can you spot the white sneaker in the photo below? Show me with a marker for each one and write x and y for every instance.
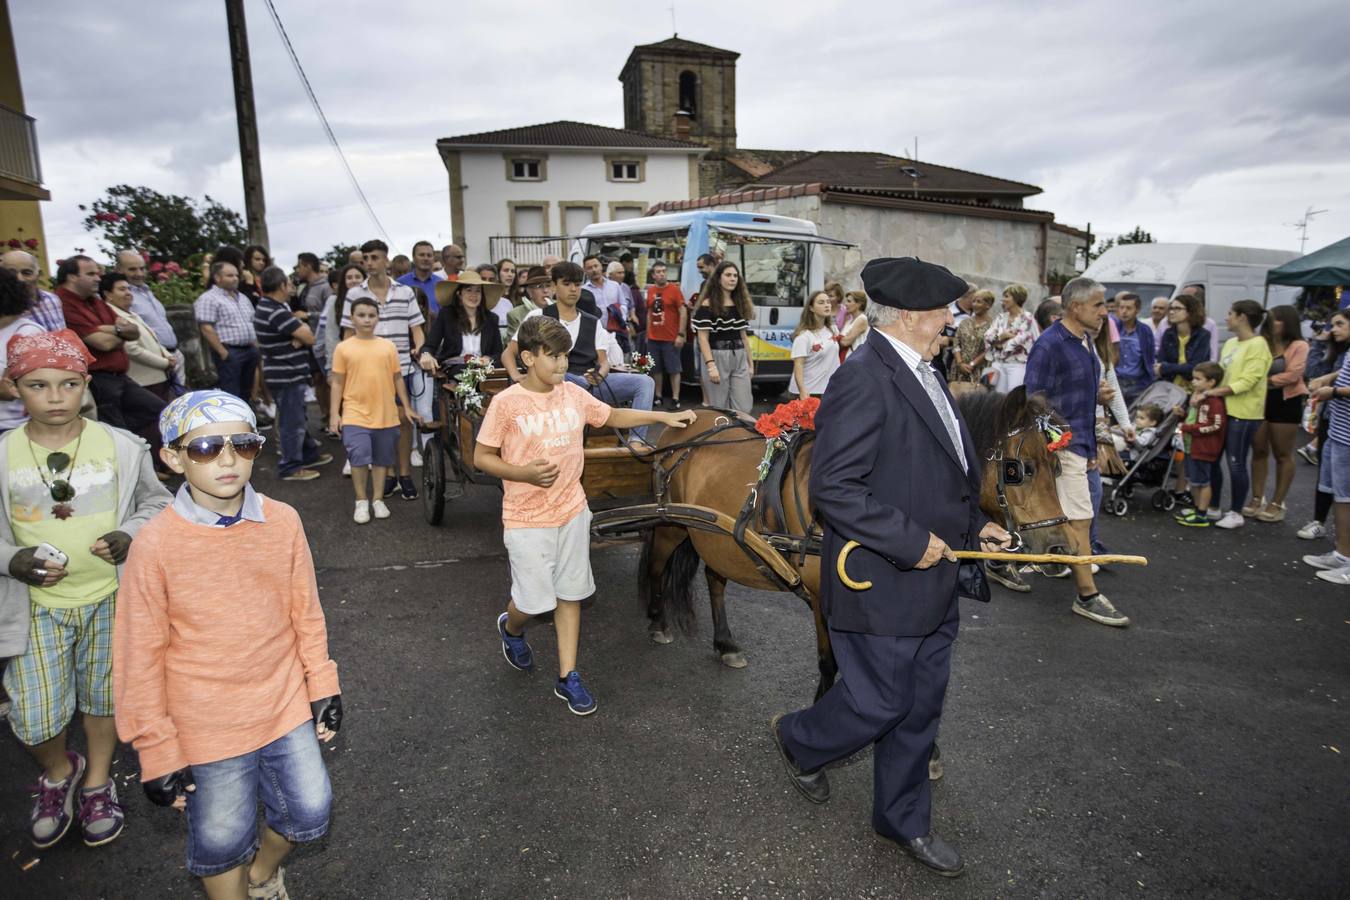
(1336, 576)
(5, 707)
(1312, 531)
(347, 469)
(416, 458)
(379, 509)
(1330, 561)
(310, 396)
(1231, 519)
(362, 514)
(1213, 515)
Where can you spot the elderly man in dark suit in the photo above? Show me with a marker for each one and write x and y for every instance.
(894, 469)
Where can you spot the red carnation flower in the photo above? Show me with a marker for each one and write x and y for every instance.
(815, 348)
(31, 243)
(128, 217)
(15, 243)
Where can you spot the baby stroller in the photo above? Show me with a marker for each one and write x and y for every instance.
(1152, 464)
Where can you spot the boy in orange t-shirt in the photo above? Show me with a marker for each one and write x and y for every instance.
(533, 438)
(367, 376)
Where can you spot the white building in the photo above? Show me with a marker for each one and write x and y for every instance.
(521, 192)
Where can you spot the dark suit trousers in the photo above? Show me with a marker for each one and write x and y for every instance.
(889, 693)
(123, 403)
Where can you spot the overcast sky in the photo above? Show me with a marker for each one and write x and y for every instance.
(1200, 121)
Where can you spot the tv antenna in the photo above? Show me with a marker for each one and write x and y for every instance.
(673, 29)
(1302, 226)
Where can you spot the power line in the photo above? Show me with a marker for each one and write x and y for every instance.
(332, 138)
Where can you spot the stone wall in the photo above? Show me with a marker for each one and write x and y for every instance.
(200, 362)
(992, 253)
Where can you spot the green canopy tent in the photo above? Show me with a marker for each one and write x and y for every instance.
(1328, 267)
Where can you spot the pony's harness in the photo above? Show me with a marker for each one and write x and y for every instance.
(1014, 471)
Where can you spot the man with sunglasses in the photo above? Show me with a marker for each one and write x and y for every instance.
(222, 676)
(73, 495)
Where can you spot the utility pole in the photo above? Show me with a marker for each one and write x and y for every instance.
(255, 208)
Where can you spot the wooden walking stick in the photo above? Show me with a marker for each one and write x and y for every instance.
(1001, 556)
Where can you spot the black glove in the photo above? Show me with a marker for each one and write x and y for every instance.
(24, 566)
(165, 789)
(328, 712)
(119, 542)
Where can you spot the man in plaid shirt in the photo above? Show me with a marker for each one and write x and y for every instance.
(1063, 366)
(225, 317)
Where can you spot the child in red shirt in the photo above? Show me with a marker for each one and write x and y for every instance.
(1207, 434)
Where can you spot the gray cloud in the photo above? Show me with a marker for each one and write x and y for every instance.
(1117, 110)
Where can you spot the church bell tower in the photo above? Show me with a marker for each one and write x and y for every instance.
(684, 90)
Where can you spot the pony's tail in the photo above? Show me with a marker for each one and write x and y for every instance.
(677, 586)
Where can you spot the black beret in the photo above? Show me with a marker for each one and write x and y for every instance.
(907, 282)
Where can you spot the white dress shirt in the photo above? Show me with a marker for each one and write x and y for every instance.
(914, 359)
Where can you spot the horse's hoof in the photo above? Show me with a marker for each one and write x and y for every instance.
(735, 660)
(660, 637)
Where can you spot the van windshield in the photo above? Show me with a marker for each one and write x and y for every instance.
(774, 269)
(646, 249)
(1145, 290)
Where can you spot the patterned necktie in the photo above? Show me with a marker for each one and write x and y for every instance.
(928, 378)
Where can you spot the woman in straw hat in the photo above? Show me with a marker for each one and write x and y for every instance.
(466, 326)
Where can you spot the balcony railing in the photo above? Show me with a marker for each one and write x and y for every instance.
(18, 147)
(529, 251)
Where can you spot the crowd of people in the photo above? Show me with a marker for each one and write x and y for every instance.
(105, 563)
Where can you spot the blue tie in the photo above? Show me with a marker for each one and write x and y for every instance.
(227, 521)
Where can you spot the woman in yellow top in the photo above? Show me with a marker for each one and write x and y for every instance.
(1246, 362)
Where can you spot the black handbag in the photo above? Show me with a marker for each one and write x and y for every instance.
(971, 583)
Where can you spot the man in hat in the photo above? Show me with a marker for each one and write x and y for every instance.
(896, 472)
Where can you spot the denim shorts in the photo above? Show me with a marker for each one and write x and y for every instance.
(370, 446)
(1200, 472)
(1334, 475)
(665, 357)
(288, 776)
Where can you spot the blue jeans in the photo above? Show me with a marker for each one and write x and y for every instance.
(235, 372)
(623, 387)
(288, 776)
(298, 449)
(1237, 449)
(1131, 388)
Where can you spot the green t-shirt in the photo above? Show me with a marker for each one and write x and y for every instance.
(71, 527)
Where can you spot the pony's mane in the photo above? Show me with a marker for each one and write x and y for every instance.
(990, 416)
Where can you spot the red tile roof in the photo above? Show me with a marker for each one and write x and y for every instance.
(882, 171)
(571, 134)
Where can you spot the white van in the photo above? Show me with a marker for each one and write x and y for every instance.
(1228, 274)
(779, 257)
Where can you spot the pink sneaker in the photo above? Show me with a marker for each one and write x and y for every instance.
(101, 816)
(54, 809)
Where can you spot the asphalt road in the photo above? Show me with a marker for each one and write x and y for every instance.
(1200, 753)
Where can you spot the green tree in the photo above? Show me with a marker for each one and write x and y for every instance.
(1137, 236)
(168, 227)
(337, 257)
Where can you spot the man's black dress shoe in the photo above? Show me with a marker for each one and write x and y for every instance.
(813, 785)
(935, 853)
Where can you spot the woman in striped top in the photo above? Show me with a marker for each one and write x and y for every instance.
(722, 323)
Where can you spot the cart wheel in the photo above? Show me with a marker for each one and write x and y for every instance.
(1163, 501)
(1120, 506)
(433, 481)
(1170, 503)
(1126, 491)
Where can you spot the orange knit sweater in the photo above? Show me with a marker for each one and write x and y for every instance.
(219, 644)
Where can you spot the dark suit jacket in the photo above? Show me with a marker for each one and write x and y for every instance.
(884, 473)
(446, 344)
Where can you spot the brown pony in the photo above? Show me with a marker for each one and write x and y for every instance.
(718, 471)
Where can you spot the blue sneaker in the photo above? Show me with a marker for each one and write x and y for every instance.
(516, 650)
(579, 700)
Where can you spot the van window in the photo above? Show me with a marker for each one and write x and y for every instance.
(1145, 290)
(774, 269)
(667, 246)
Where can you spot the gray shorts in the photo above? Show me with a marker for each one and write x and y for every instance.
(1333, 477)
(665, 357)
(370, 446)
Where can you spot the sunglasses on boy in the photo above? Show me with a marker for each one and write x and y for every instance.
(205, 449)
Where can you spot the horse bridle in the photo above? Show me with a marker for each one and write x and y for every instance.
(1014, 471)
